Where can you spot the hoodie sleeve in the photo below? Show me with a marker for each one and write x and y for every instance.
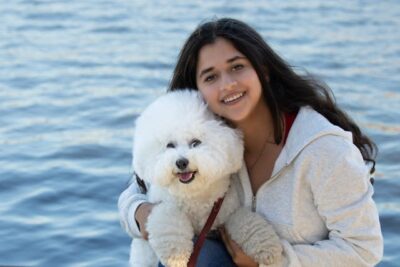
(128, 202)
(339, 181)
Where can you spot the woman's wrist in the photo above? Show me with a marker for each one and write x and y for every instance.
(140, 210)
(141, 215)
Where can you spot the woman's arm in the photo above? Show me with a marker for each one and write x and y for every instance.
(129, 201)
(342, 194)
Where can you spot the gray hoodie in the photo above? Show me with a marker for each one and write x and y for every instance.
(319, 198)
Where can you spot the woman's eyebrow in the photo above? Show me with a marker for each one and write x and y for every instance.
(235, 58)
(228, 61)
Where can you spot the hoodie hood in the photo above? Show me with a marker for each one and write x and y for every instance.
(299, 136)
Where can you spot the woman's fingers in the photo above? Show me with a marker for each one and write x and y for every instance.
(237, 254)
(227, 241)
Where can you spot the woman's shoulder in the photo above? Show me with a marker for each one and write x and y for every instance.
(332, 146)
(334, 157)
(312, 134)
(324, 144)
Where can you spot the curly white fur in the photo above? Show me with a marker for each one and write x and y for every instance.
(178, 126)
(255, 235)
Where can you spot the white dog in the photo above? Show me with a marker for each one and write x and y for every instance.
(187, 156)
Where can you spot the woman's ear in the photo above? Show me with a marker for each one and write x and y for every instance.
(266, 71)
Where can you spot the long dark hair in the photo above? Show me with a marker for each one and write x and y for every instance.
(286, 91)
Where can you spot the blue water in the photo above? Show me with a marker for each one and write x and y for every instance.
(75, 74)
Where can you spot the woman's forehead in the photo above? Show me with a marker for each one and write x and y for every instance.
(221, 51)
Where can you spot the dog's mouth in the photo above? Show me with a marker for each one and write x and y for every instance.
(186, 177)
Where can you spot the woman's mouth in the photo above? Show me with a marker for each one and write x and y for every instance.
(231, 99)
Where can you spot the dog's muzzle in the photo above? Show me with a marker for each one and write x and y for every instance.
(185, 176)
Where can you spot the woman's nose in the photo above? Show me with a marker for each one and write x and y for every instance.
(228, 82)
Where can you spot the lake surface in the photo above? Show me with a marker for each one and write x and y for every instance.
(75, 74)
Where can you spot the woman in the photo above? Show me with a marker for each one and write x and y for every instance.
(305, 158)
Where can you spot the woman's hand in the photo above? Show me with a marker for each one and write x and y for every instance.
(237, 254)
(141, 215)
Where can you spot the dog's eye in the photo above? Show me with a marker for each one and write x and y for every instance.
(170, 145)
(194, 143)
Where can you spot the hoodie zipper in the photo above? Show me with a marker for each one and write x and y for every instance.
(254, 197)
(253, 203)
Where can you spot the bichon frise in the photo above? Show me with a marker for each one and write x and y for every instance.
(187, 156)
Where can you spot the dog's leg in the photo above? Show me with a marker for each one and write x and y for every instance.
(170, 235)
(255, 236)
(142, 255)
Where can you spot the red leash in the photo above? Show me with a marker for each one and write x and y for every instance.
(204, 232)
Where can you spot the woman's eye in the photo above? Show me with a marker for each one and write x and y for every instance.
(237, 67)
(195, 142)
(209, 78)
(170, 145)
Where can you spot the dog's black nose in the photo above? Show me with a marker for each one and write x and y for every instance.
(182, 163)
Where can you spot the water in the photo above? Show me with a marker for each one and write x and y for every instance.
(75, 74)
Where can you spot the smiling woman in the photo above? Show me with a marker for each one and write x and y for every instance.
(304, 171)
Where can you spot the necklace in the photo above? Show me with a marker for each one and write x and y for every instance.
(260, 153)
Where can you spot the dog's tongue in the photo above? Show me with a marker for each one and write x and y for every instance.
(186, 176)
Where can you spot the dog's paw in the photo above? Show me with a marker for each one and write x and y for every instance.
(177, 261)
(255, 236)
(174, 256)
(142, 255)
(170, 235)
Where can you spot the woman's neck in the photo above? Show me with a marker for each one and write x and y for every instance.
(258, 130)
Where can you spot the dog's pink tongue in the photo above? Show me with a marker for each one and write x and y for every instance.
(185, 176)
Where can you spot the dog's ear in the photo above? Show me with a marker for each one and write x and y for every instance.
(145, 149)
(228, 140)
(234, 145)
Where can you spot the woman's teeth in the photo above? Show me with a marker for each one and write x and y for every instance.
(233, 98)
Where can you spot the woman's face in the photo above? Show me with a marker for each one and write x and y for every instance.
(228, 81)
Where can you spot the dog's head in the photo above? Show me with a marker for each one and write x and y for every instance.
(179, 144)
